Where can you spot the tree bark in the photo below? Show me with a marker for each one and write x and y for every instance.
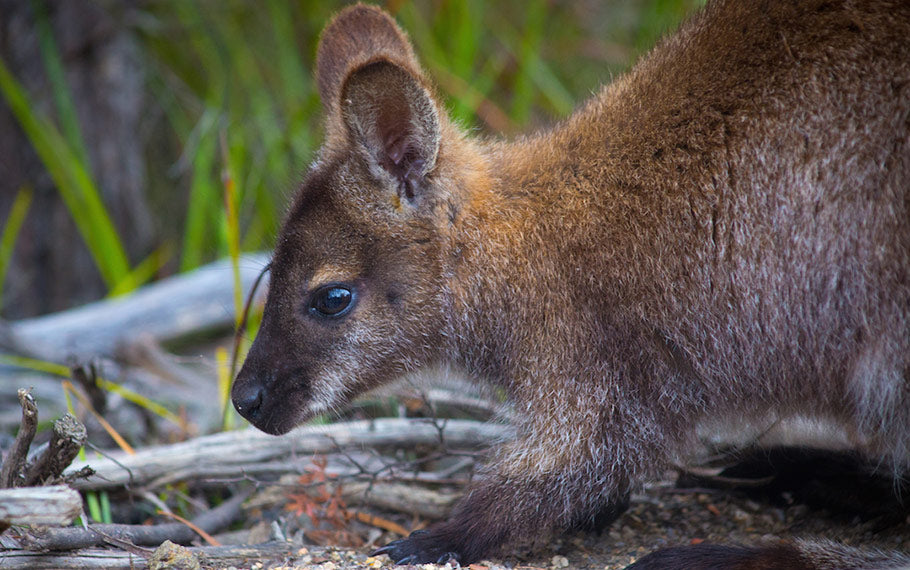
(51, 268)
(56, 505)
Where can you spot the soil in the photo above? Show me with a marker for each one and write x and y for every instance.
(660, 516)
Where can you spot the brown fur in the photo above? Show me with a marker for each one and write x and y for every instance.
(722, 233)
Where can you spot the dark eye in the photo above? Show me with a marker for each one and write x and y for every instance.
(331, 301)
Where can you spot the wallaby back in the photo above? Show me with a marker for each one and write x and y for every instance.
(723, 234)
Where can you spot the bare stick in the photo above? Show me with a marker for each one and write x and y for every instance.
(11, 474)
(71, 538)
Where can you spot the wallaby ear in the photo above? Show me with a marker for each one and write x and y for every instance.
(391, 115)
(356, 36)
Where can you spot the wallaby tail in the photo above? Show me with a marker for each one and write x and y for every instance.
(796, 555)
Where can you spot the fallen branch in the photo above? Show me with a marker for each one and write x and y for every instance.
(72, 538)
(407, 498)
(238, 453)
(98, 559)
(168, 309)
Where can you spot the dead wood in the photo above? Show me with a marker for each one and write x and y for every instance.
(67, 438)
(72, 538)
(147, 353)
(98, 559)
(12, 474)
(239, 453)
(410, 498)
(54, 505)
(403, 498)
(185, 304)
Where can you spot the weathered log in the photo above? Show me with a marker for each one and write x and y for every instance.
(185, 304)
(99, 559)
(237, 452)
(54, 505)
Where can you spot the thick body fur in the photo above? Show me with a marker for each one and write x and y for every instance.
(724, 232)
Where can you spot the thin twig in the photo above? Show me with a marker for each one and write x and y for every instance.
(238, 334)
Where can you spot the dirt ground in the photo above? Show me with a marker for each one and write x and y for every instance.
(660, 516)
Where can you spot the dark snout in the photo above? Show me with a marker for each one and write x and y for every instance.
(247, 397)
(251, 399)
(260, 398)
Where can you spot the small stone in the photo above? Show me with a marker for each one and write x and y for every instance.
(559, 562)
(742, 516)
(170, 556)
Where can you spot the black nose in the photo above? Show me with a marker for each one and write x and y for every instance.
(247, 397)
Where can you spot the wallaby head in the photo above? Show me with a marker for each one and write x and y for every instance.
(357, 293)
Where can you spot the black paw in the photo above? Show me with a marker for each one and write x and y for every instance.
(418, 548)
(599, 519)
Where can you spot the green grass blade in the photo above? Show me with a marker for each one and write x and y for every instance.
(66, 110)
(106, 516)
(144, 271)
(11, 229)
(554, 91)
(528, 59)
(457, 24)
(294, 78)
(65, 372)
(94, 506)
(36, 365)
(73, 182)
(141, 401)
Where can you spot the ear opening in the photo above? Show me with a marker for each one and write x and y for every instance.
(393, 117)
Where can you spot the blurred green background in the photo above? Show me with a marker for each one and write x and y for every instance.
(227, 118)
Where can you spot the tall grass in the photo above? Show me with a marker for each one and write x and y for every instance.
(72, 177)
(238, 75)
(233, 81)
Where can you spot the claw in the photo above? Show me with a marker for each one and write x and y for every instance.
(388, 548)
(407, 551)
(448, 556)
(381, 550)
(409, 559)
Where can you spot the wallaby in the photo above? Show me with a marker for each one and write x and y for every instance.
(722, 233)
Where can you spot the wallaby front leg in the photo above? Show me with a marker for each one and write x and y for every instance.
(521, 495)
